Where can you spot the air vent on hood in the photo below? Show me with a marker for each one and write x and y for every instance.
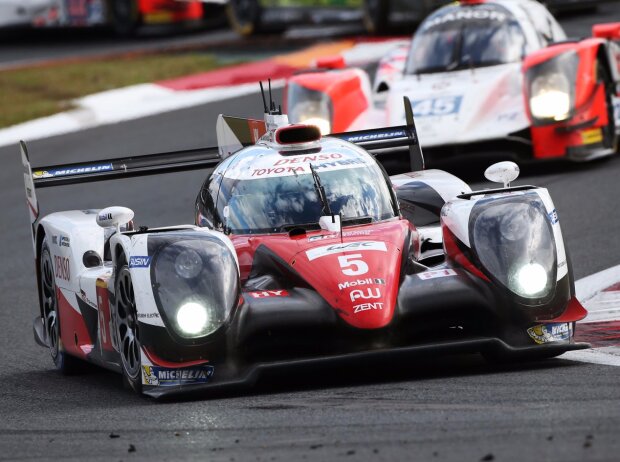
(296, 134)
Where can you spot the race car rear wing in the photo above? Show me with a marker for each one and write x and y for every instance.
(376, 141)
(385, 140)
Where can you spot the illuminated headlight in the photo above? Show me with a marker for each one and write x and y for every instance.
(323, 124)
(192, 318)
(514, 242)
(530, 280)
(310, 107)
(551, 88)
(550, 97)
(195, 284)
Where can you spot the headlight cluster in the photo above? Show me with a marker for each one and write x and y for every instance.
(195, 283)
(513, 239)
(309, 107)
(552, 88)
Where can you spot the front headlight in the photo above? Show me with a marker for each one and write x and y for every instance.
(323, 124)
(192, 318)
(551, 98)
(195, 284)
(513, 239)
(551, 88)
(309, 107)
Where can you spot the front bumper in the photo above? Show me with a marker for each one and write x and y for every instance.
(228, 376)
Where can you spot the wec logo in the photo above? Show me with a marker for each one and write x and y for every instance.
(339, 248)
(140, 262)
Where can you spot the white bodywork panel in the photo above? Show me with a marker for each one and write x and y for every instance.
(72, 233)
(464, 106)
(455, 216)
(447, 185)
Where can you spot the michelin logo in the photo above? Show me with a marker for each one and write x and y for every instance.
(163, 377)
(376, 136)
(72, 171)
(548, 333)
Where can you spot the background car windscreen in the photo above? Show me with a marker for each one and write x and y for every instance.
(463, 37)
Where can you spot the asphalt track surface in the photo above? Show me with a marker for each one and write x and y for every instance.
(456, 408)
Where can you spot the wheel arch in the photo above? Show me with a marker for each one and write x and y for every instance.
(40, 235)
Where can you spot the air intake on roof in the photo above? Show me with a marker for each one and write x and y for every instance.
(296, 134)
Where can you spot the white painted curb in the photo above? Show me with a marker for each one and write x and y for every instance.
(590, 286)
(120, 105)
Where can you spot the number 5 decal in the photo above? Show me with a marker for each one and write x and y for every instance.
(352, 267)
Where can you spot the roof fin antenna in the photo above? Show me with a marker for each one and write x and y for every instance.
(262, 92)
(272, 104)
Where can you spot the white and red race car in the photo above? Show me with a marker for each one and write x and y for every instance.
(496, 77)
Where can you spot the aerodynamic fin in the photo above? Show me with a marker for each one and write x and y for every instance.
(386, 140)
(125, 167)
(31, 195)
(234, 133)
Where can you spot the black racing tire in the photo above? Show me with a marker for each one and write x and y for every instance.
(124, 17)
(126, 329)
(50, 313)
(610, 138)
(245, 18)
(376, 16)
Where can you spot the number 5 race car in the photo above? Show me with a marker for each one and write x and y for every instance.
(304, 252)
(485, 77)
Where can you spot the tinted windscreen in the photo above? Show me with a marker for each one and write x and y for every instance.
(461, 38)
(274, 204)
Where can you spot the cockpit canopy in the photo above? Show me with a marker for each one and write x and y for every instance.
(261, 191)
(466, 36)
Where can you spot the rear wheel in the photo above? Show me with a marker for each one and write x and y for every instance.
(376, 16)
(126, 327)
(245, 17)
(125, 16)
(64, 362)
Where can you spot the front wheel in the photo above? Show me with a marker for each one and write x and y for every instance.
(126, 328)
(63, 361)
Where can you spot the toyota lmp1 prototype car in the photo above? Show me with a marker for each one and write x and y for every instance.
(304, 252)
(489, 77)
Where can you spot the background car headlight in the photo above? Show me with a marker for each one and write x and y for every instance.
(195, 284)
(551, 88)
(323, 124)
(551, 98)
(513, 240)
(312, 107)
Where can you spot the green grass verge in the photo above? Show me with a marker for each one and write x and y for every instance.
(41, 91)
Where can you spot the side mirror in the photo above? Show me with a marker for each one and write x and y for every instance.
(502, 172)
(114, 217)
(609, 31)
(330, 62)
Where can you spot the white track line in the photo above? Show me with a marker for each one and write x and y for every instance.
(120, 105)
(601, 306)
